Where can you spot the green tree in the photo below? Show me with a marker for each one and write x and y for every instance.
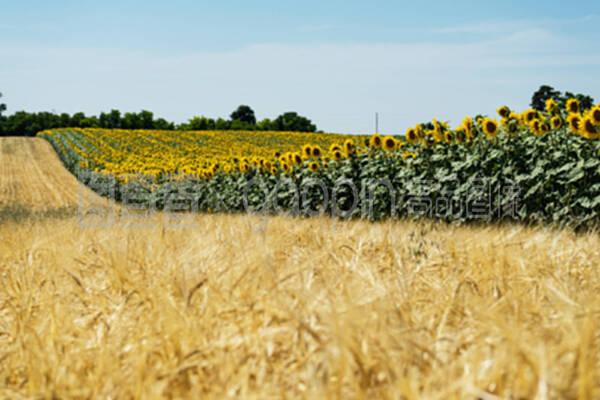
(2, 106)
(545, 92)
(244, 114)
(291, 121)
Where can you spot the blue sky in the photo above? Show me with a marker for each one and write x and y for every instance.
(337, 62)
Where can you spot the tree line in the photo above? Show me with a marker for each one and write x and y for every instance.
(23, 123)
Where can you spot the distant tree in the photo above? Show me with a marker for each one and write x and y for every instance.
(198, 123)
(586, 102)
(145, 120)
(291, 121)
(222, 124)
(545, 92)
(264, 125)
(244, 114)
(2, 106)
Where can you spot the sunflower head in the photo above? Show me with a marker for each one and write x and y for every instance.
(244, 167)
(595, 115)
(337, 155)
(448, 137)
(556, 122)
(285, 167)
(335, 147)
(316, 151)
(551, 105)
(349, 147)
(573, 106)
(375, 141)
(389, 143)
(313, 166)
(536, 127)
(490, 127)
(529, 116)
(297, 158)
(408, 154)
(467, 123)
(588, 129)
(411, 135)
(503, 111)
(574, 121)
(307, 150)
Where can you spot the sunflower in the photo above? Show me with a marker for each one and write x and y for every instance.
(408, 154)
(286, 167)
(448, 137)
(429, 138)
(588, 129)
(572, 106)
(307, 150)
(316, 151)
(536, 127)
(337, 155)
(467, 123)
(529, 116)
(556, 122)
(461, 135)
(274, 170)
(411, 135)
(389, 143)
(503, 111)
(551, 105)
(244, 168)
(297, 158)
(349, 147)
(375, 141)
(490, 127)
(545, 127)
(574, 122)
(595, 115)
(313, 166)
(335, 147)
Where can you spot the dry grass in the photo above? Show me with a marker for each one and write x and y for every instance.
(261, 308)
(256, 307)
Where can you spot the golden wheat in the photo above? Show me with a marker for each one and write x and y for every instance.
(253, 307)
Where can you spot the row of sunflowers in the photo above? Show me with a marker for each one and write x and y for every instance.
(549, 160)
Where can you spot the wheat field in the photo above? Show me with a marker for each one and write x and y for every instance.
(217, 306)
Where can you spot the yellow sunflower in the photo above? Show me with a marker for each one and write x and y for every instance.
(375, 141)
(556, 122)
(588, 129)
(574, 121)
(408, 154)
(504, 111)
(490, 127)
(529, 115)
(573, 106)
(307, 150)
(551, 105)
(411, 135)
(313, 166)
(316, 151)
(335, 147)
(349, 147)
(595, 115)
(536, 127)
(337, 155)
(389, 143)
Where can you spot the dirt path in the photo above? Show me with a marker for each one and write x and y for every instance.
(32, 177)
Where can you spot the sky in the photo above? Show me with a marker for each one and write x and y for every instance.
(337, 62)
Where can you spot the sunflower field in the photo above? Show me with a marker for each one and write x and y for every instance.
(532, 166)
